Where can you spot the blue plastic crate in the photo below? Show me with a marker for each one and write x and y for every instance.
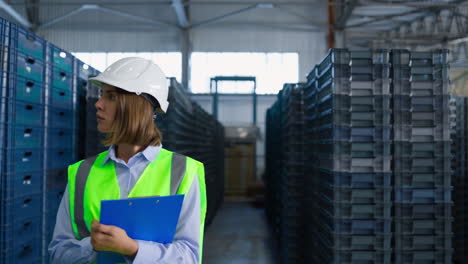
(28, 252)
(53, 199)
(27, 67)
(24, 137)
(83, 69)
(423, 211)
(60, 138)
(16, 185)
(443, 256)
(60, 158)
(420, 88)
(437, 226)
(21, 231)
(326, 254)
(24, 113)
(27, 42)
(61, 58)
(23, 160)
(62, 79)
(356, 134)
(4, 31)
(355, 180)
(421, 103)
(23, 89)
(60, 118)
(60, 98)
(333, 71)
(56, 179)
(422, 180)
(22, 208)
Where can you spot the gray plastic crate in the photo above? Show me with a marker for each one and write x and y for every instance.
(357, 196)
(423, 211)
(354, 103)
(355, 256)
(362, 242)
(443, 256)
(356, 134)
(421, 119)
(354, 119)
(434, 195)
(410, 226)
(348, 164)
(422, 165)
(356, 211)
(334, 56)
(422, 180)
(423, 242)
(354, 149)
(421, 134)
(370, 72)
(421, 103)
(354, 180)
(344, 86)
(422, 149)
(420, 88)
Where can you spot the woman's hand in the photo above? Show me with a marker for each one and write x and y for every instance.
(112, 238)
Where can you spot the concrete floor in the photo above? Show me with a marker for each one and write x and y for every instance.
(239, 234)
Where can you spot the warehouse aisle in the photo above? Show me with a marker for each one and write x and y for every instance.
(239, 234)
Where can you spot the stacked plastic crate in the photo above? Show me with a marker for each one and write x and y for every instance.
(457, 126)
(189, 130)
(352, 133)
(93, 137)
(274, 164)
(422, 157)
(23, 99)
(292, 176)
(61, 131)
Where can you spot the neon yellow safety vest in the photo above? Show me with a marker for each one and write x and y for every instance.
(170, 173)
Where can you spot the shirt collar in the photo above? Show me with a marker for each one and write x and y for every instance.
(150, 153)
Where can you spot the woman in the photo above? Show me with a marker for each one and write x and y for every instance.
(135, 165)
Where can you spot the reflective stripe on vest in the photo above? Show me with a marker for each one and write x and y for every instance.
(86, 178)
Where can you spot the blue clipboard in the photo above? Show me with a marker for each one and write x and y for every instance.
(147, 218)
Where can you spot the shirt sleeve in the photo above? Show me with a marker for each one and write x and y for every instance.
(185, 247)
(64, 247)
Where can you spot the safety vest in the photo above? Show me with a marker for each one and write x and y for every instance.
(170, 173)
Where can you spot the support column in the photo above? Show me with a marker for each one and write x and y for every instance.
(186, 48)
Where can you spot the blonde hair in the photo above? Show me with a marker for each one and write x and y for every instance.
(133, 122)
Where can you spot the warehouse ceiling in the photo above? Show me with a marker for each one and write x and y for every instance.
(418, 25)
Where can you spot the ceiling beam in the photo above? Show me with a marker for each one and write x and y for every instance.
(12, 12)
(346, 14)
(181, 15)
(107, 10)
(218, 18)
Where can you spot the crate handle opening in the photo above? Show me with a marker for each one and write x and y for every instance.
(29, 107)
(62, 113)
(27, 224)
(28, 154)
(61, 153)
(28, 131)
(63, 74)
(29, 84)
(62, 93)
(61, 133)
(30, 60)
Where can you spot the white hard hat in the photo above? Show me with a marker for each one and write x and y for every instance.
(137, 75)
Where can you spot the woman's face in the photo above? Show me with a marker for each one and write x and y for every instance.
(106, 107)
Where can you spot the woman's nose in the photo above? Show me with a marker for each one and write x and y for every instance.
(98, 104)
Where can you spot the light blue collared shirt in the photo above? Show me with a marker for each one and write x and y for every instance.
(65, 248)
